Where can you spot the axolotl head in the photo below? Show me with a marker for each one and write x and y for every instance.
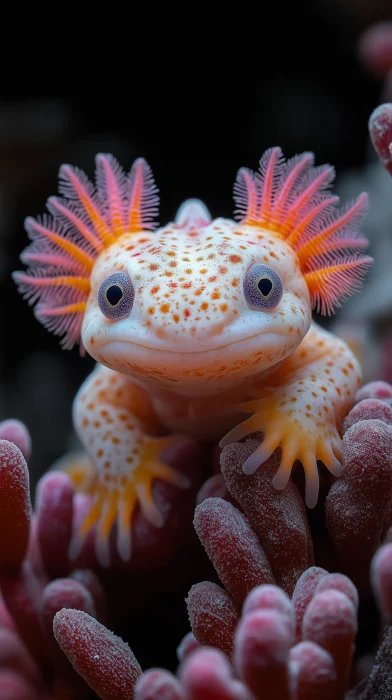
(198, 305)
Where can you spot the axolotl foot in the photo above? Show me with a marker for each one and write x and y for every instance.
(115, 495)
(303, 431)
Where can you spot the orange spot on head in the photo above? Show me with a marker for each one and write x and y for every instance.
(155, 289)
(176, 318)
(92, 340)
(223, 307)
(204, 306)
(99, 453)
(153, 266)
(235, 282)
(115, 440)
(187, 313)
(235, 259)
(215, 295)
(151, 310)
(165, 308)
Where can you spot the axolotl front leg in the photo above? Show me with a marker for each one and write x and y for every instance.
(300, 409)
(121, 435)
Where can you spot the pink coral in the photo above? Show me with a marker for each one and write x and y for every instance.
(14, 506)
(267, 660)
(380, 129)
(358, 505)
(274, 622)
(101, 658)
(39, 584)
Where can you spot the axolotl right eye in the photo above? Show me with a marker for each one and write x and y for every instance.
(263, 287)
(116, 296)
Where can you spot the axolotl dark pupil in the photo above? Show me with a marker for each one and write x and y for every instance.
(265, 286)
(114, 294)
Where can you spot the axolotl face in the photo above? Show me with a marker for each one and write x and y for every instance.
(196, 309)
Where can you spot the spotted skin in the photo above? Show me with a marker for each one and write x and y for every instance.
(190, 325)
(300, 409)
(188, 296)
(120, 433)
(189, 351)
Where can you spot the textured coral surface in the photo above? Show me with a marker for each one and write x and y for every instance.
(283, 613)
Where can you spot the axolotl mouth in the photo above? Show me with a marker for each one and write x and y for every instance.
(199, 370)
(269, 339)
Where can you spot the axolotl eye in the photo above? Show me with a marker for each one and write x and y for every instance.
(116, 295)
(263, 287)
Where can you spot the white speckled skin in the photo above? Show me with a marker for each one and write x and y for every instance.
(189, 339)
(191, 350)
(191, 329)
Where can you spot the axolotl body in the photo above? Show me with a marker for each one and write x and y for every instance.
(201, 327)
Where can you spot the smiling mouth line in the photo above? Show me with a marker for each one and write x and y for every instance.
(191, 352)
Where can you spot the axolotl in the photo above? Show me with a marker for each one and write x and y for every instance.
(201, 327)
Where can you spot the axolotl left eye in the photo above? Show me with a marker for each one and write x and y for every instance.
(116, 296)
(263, 287)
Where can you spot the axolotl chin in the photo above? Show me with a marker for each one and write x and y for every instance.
(201, 327)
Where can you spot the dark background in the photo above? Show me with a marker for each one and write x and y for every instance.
(199, 94)
(197, 91)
